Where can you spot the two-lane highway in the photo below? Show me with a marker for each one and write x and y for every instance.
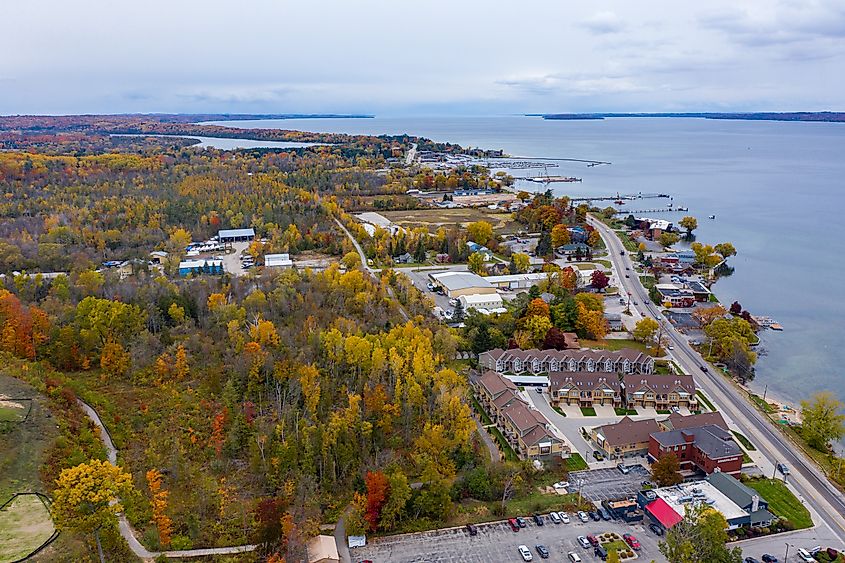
(806, 478)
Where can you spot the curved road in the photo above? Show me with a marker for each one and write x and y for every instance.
(126, 529)
(817, 492)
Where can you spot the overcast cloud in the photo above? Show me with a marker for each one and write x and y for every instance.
(374, 56)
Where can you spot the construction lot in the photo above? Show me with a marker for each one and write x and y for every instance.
(497, 542)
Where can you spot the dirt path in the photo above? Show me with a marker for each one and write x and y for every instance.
(126, 529)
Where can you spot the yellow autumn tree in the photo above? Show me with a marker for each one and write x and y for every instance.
(114, 360)
(309, 379)
(181, 369)
(87, 498)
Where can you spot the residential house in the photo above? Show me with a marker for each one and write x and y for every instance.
(614, 321)
(626, 361)
(578, 234)
(677, 421)
(749, 500)
(585, 388)
(525, 428)
(627, 437)
(653, 228)
(699, 449)
(661, 392)
(673, 295)
(403, 258)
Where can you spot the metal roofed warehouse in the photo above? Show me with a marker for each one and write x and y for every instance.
(234, 235)
(457, 284)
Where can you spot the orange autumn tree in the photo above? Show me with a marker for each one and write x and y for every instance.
(377, 488)
(159, 504)
(22, 329)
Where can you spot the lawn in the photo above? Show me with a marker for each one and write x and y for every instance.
(575, 462)
(557, 410)
(588, 411)
(510, 455)
(705, 400)
(746, 443)
(782, 502)
(25, 524)
(624, 412)
(432, 219)
(614, 344)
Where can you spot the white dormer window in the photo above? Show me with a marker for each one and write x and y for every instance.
(591, 366)
(572, 365)
(553, 365)
(608, 365)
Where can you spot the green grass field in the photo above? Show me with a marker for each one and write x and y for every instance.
(575, 462)
(746, 443)
(588, 411)
(25, 524)
(782, 502)
(12, 410)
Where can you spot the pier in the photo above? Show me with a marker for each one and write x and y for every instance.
(618, 197)
(551, 179)
(658, 210)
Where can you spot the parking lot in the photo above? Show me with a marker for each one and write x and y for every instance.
(610, 483)
(497, 542)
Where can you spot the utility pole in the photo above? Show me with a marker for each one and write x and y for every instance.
(786, 555)
(766, 390)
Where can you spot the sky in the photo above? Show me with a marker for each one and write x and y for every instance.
(436, 57)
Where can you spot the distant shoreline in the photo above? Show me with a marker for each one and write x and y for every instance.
(803, 116)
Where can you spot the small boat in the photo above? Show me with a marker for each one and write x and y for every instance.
(711, 216)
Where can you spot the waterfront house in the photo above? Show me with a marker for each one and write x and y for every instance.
(661, 392)
(627, 360)
(585, 388)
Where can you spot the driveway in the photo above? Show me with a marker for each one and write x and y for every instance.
(496, 542)
(232, 260)
(597, 485)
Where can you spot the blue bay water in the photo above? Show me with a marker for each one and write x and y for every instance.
(776, 189)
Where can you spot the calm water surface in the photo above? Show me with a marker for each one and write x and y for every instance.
(776, 190)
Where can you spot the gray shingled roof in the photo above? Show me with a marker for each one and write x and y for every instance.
(714, 442)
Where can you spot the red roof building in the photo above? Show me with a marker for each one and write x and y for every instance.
(660, 511)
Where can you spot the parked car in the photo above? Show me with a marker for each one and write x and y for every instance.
(574, 557)
(632, 541)
(564, 517)
(561, 485)
(521, 521)
(430, 286)
(769, 558)
(784, 470)
(627, 276)
(582, 516)
(554, 517)
(751, 560)
(594, 541)
(597, 455)
(453, 302)
(658, 531)
(605, 515)
(623, 468)
(525, 553)
(585, 543)
(542, 551)
(538, 519)
(513, 524)
(600, 552)
(804, 555)
(472, 530)
(595, 516)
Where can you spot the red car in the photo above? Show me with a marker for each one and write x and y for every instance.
(594, 541)
(632, 541)
(513, 524)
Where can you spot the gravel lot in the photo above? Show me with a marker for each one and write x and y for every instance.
(496, 542)
(610, 483)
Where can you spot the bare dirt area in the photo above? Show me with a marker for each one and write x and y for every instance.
(433, 219)
(25, 524)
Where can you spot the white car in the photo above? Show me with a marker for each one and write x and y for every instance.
(526, 554)
(555, 518)
(582, 516)
(804, 555)
(574, 557)
(564, 517)
(561, 485)
(585, 543)
(453, 302)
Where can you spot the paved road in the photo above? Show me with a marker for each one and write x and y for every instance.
(412, 154)
(812, 486)
(126, 529)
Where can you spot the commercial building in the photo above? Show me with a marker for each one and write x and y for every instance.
(525, 428)
(201, 266)
(673, 295)
(626, 360)
(698, 449)
(322, 549)
(235, 235)
(614, 321)
(740, 505)
(278, 261)
(487, 303)
(677, 421)
(585, 388)
(517, 281)
(456, 284)
(661, 392)
(627, 437)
